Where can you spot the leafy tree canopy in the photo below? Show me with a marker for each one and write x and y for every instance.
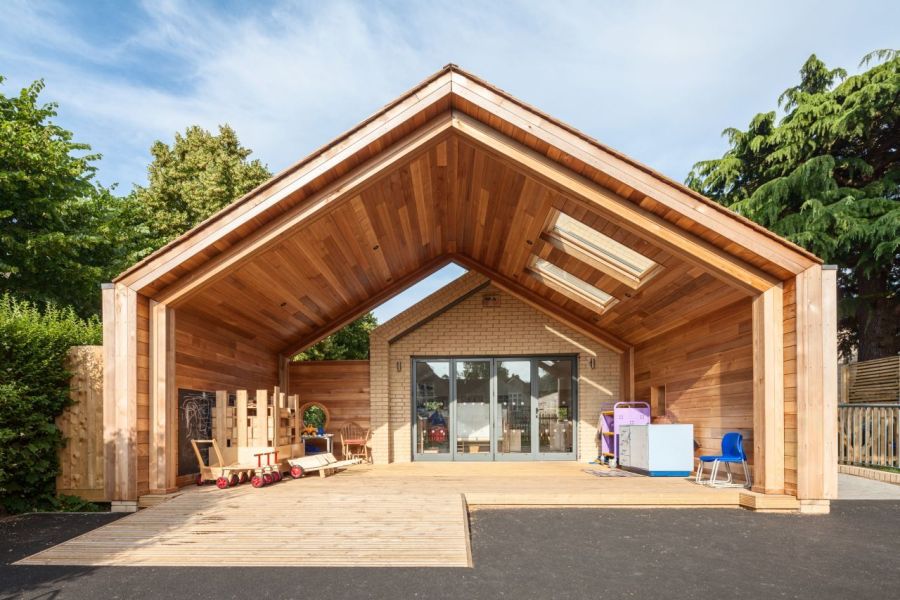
(198, 175)
(189, 181)
(826, 176)
(57, 237)
(350, 343)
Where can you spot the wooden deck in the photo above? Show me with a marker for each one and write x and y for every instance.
(537, 484)
(394, 515)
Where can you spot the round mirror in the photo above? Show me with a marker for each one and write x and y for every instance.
(314, 414)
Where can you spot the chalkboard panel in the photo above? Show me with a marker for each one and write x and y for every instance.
(195, 410)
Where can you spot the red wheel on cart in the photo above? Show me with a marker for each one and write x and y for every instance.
(222, 483)
(199, 479)
(257, 481)
(267, 478)
(243, 477)
(296, 472)
(233, 480)
(277, 476)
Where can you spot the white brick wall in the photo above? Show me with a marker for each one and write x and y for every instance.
(469, 329)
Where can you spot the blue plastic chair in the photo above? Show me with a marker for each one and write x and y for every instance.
(732, 452)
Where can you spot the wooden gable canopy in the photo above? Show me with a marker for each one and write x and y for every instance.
(457, 170)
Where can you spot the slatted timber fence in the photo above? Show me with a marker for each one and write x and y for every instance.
(870, 381)
(82, 458)
(869, 434)
(341, 386)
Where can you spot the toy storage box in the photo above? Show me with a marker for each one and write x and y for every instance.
(657, 450)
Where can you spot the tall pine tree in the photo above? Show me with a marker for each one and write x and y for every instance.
(826, 176)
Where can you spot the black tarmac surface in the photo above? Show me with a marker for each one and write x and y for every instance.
(533, 553)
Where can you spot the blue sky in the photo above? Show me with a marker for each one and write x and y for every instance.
(656, 80)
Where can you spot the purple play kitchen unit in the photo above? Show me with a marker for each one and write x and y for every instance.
(611, 423)
(629, 441)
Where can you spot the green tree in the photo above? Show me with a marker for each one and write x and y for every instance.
(55, 223)
(198, 175)
(826, 176)
(350, 343)
(189, 181)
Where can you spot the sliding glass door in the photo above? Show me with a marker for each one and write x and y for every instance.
(514, 409)
(555, 407)
(472, 394)
(431, 421)
(521, 408)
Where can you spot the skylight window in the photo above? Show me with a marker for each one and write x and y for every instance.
(600, 251)
(570, 285)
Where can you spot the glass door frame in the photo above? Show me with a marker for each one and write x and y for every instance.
(451, 427)
(532, 454)
(535, 392)
(455, 454)
(494, 455)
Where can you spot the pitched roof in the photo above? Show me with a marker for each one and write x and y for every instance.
(449, 70)
(458, 170)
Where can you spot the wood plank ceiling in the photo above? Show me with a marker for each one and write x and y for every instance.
(452, 200)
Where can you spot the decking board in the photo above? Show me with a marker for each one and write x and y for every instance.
(399, 515)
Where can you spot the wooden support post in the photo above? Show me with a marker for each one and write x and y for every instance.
(283, 379)
(626, 366)
(816, 387)
(830, 379)
(768, 391)
(261, 423)
(298, 419)
(221, 433)
(241, 417)
(120, 391)
(276, 417)
(163, 401)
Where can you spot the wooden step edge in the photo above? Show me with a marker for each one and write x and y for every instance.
(765, 502)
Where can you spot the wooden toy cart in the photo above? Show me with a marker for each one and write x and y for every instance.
(224, 475)
(325, 464)
(253, 438)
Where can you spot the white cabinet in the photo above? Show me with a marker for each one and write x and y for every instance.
(657, 450)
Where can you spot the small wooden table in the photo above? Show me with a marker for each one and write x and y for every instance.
(329, 443)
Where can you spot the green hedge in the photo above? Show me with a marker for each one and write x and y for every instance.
(34, 390)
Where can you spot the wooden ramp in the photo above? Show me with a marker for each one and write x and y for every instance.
(279, 526)
(400, 515)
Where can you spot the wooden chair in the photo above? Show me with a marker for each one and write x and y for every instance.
(355, 441)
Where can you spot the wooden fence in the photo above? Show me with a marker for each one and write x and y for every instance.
(81, 460)
(869, 434)
(870, 381)
(341, 386)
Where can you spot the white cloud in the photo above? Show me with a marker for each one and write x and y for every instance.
(657, 80)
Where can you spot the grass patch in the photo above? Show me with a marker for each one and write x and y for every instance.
(877, 468)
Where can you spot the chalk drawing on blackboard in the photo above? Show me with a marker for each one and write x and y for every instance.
(194, 423)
